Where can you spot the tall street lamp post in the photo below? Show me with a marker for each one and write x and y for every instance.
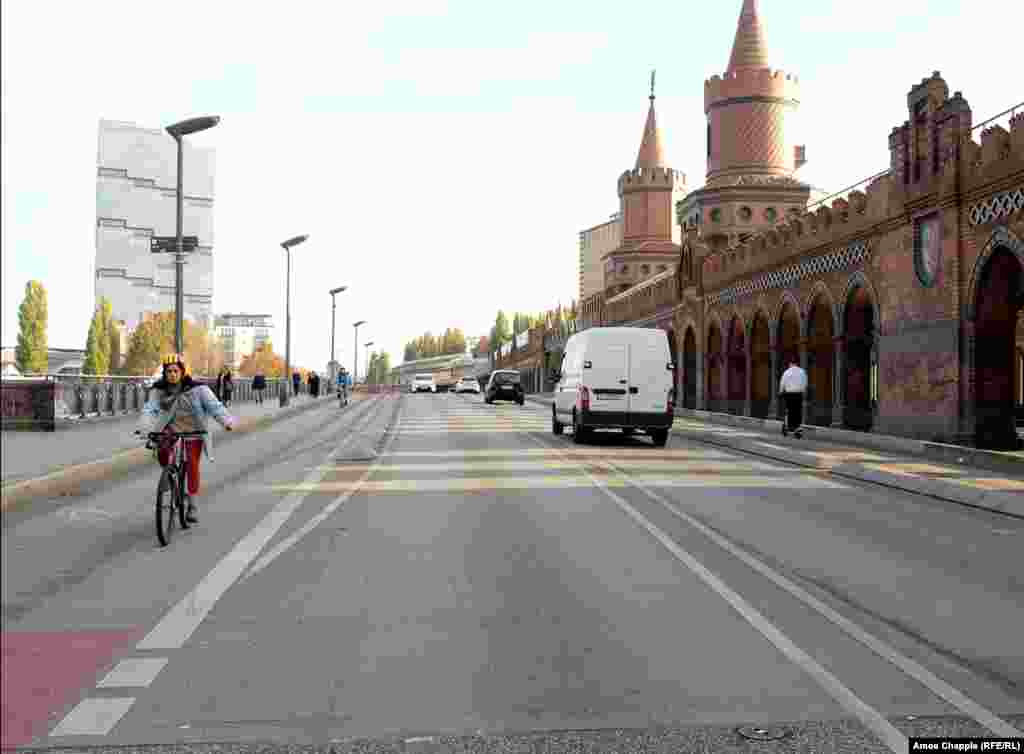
(355, 355)
(333, 292)
(287, 246)
(367, 370)
(179, 130)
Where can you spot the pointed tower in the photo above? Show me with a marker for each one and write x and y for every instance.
(751, 162)
(646, 196)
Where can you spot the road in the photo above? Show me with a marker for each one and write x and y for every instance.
(422, 567)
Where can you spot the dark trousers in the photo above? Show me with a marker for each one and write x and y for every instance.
(259, 395)
(794, 410)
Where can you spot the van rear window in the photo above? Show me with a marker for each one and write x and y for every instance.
(506, 379)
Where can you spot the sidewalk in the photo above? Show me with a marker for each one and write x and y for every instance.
(29, 455)
(896, 462)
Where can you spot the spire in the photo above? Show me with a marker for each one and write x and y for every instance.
(651, 153)
(749, 49)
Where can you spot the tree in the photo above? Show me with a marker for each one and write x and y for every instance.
(114, 338)
(411, 354)
(263, 358)
(97, 344)
(155, 337)
(379, 368)
(31, 354)
(501, 334)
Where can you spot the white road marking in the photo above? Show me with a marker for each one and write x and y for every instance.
(718, 468)
(868, 715)
(182, 620)
(619, 452)
(913, 669)
(318, 519)
(93, 717)
(555, 481)
(133, 672)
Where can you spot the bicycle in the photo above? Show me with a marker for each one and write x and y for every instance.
(171, 497)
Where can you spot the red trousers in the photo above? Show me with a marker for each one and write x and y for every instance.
(193, 454)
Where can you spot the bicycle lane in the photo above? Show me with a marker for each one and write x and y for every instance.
(82, 584)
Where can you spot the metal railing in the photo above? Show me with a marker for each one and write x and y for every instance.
(90, 396)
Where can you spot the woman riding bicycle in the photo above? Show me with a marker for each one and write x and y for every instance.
(179, 404)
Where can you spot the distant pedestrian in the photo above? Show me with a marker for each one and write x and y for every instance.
(259, 384)
(296, 382)
(219, 386)
(228, 386)
(792, 388)
(314, 388)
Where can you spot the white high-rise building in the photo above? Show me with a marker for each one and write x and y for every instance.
(242, 334)
(136, 198)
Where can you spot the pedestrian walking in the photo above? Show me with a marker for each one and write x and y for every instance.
(296, 382)
(259, 384)
(792, 387)
(228, 387)
(316, 385)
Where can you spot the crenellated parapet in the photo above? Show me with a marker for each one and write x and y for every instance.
(765, 82)
(651, 179)
(808, 235)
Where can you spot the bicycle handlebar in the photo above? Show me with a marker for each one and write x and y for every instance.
(158, 435)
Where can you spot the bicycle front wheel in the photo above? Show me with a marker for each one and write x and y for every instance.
(166, 505)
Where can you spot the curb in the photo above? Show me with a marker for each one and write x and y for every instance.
(69, 481)
(1008, 504)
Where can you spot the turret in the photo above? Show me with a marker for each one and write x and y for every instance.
(748, 106)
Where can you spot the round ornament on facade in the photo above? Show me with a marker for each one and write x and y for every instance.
(770, 214)
(746, 214)
(716, 215)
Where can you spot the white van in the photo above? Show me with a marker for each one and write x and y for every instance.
(619, 377)
(424, 383)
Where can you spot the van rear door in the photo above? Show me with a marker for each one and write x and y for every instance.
(650, 378)
(608, 375)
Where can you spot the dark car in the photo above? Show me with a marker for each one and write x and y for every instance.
(505, 385)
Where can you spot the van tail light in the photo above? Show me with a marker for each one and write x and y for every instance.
(584, 399)
(672, 402)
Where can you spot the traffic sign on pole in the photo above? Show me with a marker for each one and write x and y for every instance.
(169, 244)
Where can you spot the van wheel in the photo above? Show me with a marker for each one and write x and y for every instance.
(556, 426)
(660, 437)
(579, 433)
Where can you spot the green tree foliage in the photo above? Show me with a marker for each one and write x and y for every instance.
(379, 369)
(31, 355)
(502, 332)
(97, 344)
(116, 357)
(426, 346)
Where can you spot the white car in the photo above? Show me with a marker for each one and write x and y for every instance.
(616, 377)
(424, 383)
(467, 385)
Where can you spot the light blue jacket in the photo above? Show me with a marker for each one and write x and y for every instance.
(204, 405)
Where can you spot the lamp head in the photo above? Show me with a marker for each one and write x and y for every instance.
(360, 322)
(294, 241)
(193, 125)
(337, 290)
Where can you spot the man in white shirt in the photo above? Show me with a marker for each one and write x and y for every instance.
(791, 389)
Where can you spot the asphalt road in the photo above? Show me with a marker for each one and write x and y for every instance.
(428, 573)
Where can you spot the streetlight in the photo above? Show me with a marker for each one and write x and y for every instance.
(178, 130)
(367, 370)
(287, 246)
(355, 356)
(333, 292)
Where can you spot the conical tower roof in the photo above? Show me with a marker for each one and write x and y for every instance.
(749, 49)
(652, 148)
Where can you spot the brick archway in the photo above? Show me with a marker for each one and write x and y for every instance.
(737, 366)
(690, 369)
(715, 356)
(787, 340)
(859, 328)
(820, 362)
(997, 303)
(760, 367)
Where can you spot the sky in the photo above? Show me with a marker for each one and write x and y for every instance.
(441, 156)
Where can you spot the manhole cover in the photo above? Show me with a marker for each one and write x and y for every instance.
(768, 733)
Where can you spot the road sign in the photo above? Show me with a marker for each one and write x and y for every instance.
(169, 244)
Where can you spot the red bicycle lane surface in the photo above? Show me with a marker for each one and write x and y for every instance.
(45, 673)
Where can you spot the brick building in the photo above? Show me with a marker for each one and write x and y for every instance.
(902, 300)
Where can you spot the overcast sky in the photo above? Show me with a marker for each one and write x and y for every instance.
(442, 157)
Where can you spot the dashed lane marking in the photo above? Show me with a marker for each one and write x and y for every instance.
(93, 717)
(133, 672)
